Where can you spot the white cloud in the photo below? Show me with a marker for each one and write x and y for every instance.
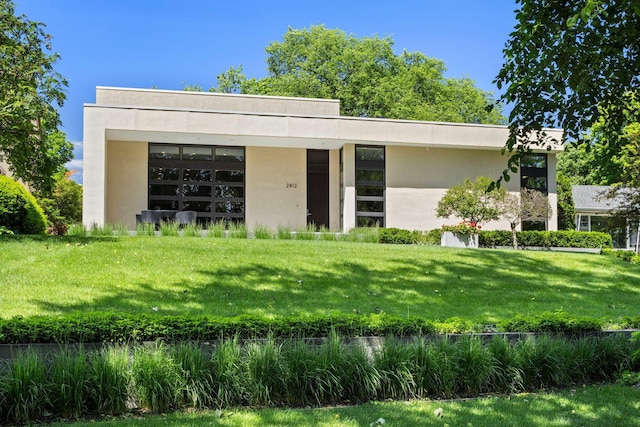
(77, 162)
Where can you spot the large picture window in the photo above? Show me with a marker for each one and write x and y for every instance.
(206, 179)
(370, 186)
(534, 176)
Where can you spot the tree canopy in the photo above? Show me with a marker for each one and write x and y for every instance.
(367, 77)
(472, 202)
(530, 205)
(30, 89)
(568, 63)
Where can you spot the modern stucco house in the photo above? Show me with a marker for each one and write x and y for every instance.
(282, 161)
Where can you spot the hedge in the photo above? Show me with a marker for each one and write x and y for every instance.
(494, 238)
(123, 327)
(19, 210)
(160, 378)
(546, 239)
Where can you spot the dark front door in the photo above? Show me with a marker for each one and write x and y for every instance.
(318, 187)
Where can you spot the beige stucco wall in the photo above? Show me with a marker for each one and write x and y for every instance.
(349, 166)
(334, 190)
(172, 99)
(276, 187)
(417, 178)
(126, 181)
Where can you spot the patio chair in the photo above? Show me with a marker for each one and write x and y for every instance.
(186, 217)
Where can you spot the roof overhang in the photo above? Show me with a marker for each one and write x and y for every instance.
(203, 127)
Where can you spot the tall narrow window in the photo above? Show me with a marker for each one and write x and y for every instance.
(370, 186)
(205, 179)
(534, 176)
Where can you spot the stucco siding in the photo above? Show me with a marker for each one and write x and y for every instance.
(276, 187)
(126, 181)
(417, 178)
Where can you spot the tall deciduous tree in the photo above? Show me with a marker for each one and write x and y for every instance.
(367, 77)
(565, 63)
(30, 89)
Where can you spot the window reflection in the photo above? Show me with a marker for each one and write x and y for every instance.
(369, 206)
(229, 192)
(164, 174)
(164, 152)
(370, 175)
(197, 206)
(197, 153)
(230, 176)
(196, 175)
(229, 207)
(163, 190)
(370, 153)
(226, 154)
(196, 190)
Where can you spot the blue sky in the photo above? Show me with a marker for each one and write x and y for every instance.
(165, 43)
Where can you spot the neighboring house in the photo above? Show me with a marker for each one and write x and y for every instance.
(593, 213)
(276, 161)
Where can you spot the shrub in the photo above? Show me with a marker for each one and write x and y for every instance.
(169, 228)
(295, 372)
(399, 236)
(431, 237)
(262, 232)
(552, 322)
(77, 230)
(70, 381)
(192, 230)
(228, 375)
(157, 380)
(284, 233)
(123, 327)
(25, 388)
(196, 374)
(306, 233)
(327, 235)
(267, 373)
(110, 380)
(562, 238)
(493, 238)
(218, 229)
(63, 206)
(629, 256)
(237, 230)
(19, 210)
(395, 366)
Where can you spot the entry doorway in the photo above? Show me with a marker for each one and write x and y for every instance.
(318, 188)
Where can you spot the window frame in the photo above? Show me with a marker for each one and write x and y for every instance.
(183, 164)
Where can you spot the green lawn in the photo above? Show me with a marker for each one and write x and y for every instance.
(594, 406)
(200, 275)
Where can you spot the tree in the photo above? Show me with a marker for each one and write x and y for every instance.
(29, 90)
(472, 202)
(63, 206)
(566, 210)
(368, 78)
(567, 62)
(530, 205)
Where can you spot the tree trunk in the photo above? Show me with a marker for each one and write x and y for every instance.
(515, 237)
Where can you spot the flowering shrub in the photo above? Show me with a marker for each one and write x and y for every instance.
(463, 228)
